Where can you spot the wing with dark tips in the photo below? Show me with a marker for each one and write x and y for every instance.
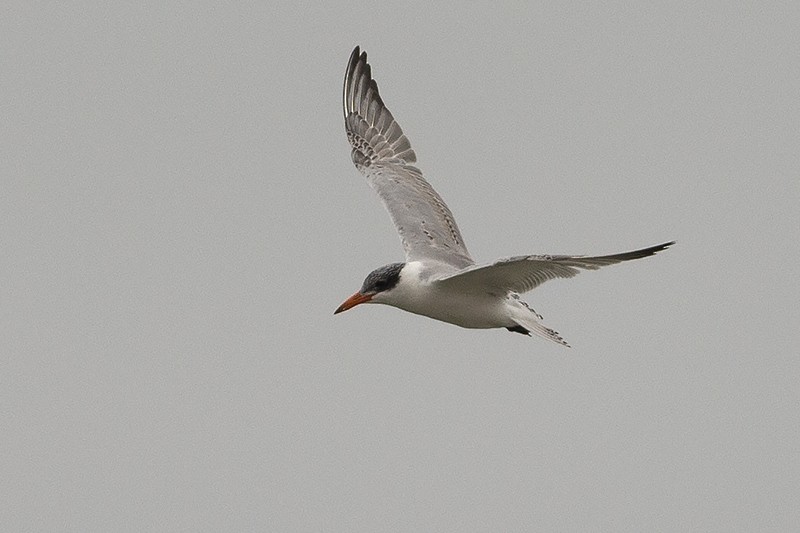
(524, 273)
(383, 154)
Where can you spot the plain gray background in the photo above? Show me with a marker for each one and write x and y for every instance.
(180, 217)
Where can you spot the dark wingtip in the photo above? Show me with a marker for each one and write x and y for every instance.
(662, 247)
(351, 66)
(644, 252)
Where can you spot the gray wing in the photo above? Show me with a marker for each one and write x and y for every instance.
(525, 273)
(383, 154)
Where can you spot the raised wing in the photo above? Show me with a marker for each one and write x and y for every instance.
(383, 154)
(524, 273)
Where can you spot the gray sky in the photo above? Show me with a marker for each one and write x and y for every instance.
(180, 218)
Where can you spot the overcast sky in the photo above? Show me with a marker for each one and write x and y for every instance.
(179, 218)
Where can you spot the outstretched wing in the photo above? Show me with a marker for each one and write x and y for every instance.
(524, 273)
(383, 154)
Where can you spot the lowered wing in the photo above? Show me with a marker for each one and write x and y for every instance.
(524, 273)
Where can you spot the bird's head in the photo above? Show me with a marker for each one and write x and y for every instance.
(376, 287)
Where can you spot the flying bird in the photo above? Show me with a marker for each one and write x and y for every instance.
(439, 279)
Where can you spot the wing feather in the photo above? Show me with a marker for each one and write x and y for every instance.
(384, 155)
(524, 273)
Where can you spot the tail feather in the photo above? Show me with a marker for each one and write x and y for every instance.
(527, 321)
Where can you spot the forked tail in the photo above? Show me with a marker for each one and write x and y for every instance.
(527, 321)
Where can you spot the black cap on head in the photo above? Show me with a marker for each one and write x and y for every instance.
(382, 279)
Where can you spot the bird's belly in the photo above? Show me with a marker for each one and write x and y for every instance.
(478, 311)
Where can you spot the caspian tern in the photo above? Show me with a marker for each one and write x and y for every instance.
(439, 279)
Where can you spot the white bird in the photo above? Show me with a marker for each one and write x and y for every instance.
(439, 279)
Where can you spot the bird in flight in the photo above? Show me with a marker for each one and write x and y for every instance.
(439, 279)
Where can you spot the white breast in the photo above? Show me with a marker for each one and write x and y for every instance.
(474, 309)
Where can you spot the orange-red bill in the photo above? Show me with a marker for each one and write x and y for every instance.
(354, 300)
